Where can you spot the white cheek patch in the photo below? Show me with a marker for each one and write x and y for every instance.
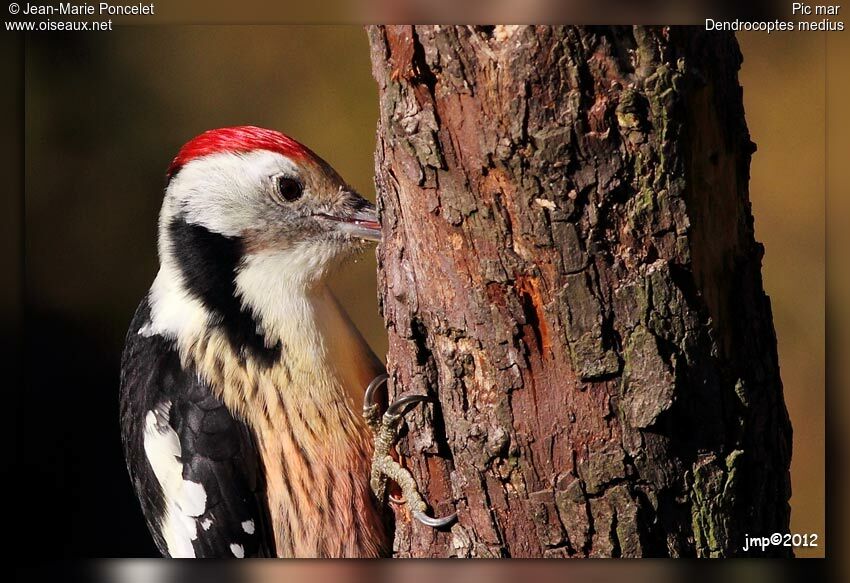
(225, 192)
(185, 500)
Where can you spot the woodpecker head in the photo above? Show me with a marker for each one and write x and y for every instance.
(250, 217)
(266, 193)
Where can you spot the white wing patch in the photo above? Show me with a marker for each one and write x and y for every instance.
(238, 551)
(248, 526)
(185, 500)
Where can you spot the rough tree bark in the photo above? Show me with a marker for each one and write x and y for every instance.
(569, 269)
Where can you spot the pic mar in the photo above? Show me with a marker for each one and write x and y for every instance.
(242, 377)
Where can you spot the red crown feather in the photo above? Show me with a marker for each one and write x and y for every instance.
(237, 139)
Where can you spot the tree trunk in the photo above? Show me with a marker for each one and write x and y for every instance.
(569, 270)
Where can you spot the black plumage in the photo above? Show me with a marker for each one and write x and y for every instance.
(208, 262)
(217, 450)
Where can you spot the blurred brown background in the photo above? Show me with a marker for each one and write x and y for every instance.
(784, 95)
(104, 115)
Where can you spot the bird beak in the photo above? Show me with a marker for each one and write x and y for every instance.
(362, 223)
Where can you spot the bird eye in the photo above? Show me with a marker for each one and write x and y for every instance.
(289, 188)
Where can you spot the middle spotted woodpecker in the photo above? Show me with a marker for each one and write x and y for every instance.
(242, 376)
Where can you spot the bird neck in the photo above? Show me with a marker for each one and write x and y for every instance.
(315, 446)
(297, 319)
(301, 313)
(304, 406)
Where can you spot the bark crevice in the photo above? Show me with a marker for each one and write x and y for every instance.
(569, 269)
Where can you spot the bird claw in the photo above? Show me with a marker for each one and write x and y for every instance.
(435, 522)
(384, 467)
(401, 406)
(369, 398)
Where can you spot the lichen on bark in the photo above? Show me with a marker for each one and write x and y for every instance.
(569, 270)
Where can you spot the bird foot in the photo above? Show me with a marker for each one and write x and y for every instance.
(384, 467)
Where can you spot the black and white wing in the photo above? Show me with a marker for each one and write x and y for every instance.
(194, 466)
